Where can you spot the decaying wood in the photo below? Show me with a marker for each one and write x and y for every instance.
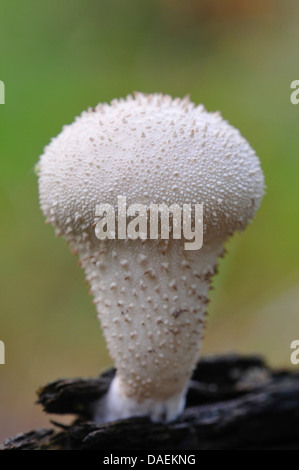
(233, 403)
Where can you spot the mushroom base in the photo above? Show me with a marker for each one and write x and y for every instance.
(151, 301)
(116, 405)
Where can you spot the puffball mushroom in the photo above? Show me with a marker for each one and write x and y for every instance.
(150, 295)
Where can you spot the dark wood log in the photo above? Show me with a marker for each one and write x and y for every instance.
(232, 403)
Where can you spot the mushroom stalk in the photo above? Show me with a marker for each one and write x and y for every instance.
(150, 295)
(151, 301)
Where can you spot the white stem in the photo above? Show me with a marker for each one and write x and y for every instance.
(151, 300)
(116, 405)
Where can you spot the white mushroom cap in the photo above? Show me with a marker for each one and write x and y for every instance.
(151, 297)
(150, 149)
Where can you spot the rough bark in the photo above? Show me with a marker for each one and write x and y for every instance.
(233, 403)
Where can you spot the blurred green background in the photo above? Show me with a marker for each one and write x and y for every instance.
(59, 57)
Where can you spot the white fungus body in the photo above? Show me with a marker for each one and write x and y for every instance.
(150, 295)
